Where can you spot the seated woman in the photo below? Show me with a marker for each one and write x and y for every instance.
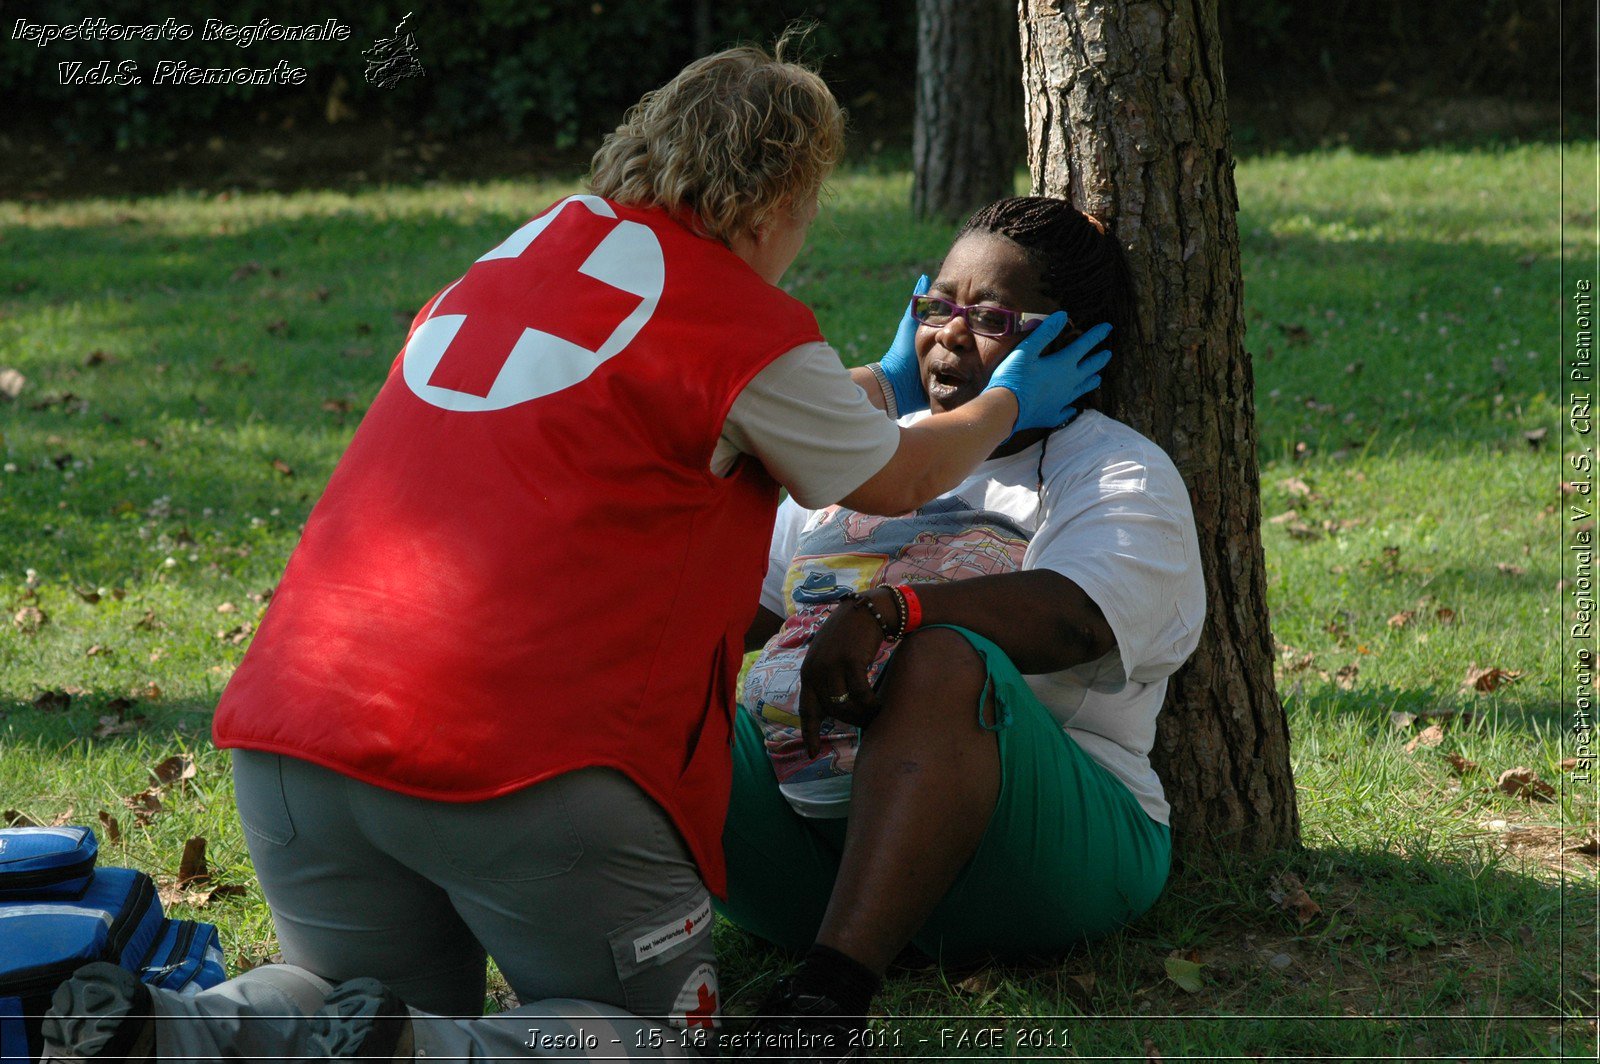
(980, 786)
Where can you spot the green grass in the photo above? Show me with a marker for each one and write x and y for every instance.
(1402, 312)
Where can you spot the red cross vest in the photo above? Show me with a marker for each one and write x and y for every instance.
(523, 564)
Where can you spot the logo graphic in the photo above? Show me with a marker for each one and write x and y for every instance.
(540, 312)
(672, 932)
(696, 1005)
(392, 59)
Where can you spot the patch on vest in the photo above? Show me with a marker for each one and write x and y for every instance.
(658, 939)
(557, 298)
(697, 1004)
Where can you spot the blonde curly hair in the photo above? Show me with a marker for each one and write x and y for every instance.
(736, 137)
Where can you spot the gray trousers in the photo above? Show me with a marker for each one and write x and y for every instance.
(579, 887)
(260, 1015)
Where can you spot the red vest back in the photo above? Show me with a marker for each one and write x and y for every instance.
(523, 564)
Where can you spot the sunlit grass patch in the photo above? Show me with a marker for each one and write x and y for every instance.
(195, 366)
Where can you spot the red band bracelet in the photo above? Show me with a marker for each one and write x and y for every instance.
(913, 619)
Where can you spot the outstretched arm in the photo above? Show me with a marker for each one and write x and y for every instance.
(1042, 620)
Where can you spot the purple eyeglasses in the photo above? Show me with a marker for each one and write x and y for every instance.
(985, 321)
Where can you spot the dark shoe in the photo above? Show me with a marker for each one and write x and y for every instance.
(102, 1013)
(797, 1025)
(363, 1020)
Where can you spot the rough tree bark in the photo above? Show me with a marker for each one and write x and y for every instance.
(967, 138)
(1126, 117)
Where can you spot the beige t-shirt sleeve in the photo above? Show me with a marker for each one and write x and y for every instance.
(811, 426)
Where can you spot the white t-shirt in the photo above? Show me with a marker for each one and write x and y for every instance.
(1097, 503)
(810, 425)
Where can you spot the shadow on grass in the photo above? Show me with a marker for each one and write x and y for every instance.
(150, 722)
(1408, 954)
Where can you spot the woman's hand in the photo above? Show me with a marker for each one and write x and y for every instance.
(838, 663)
(1046, 385)
(899, 363)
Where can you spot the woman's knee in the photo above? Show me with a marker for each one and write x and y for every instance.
(936, 665)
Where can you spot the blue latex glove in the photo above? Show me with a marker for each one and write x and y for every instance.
(899, 363)
(1046, 386)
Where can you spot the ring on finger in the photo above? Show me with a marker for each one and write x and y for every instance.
(837, 700)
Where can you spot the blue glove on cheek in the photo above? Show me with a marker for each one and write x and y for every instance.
(1046, 386)
(899, 364)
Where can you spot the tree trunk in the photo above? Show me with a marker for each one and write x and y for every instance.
(967, 138)
(1126, 117)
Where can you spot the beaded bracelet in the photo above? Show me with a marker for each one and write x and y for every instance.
(866, 604)
(899, 609)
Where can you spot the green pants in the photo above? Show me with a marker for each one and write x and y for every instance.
(1068, 853)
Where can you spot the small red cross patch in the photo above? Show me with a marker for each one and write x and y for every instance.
(542, 289)
(701, 1015)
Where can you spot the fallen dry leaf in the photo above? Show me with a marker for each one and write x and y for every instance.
(112, 828)
(175, 769)
(1445, 615)
(239, 633)
(1300, 664)
(1460, 765)
(283, 467)
(1588, 847)
(1511, 570)
(148, 622)
(226, 890)
(88, 594)
(1490, 679)
(52, 701)
(1295, 486)
(1345, 678)
(192, 867)
(1401, 719)
(1287, 515)
(1432, 735)
(1290, 895)
(1183, 968)
(980, 982)
(145, 805)
(1151, 1053)
(1403, 618)
(1301, 530)
(11, 383)
(1520, 782)
(1568, 764)
(29, 619)
(16, 818)
(226, 607)
(152, 690)
(111, 724)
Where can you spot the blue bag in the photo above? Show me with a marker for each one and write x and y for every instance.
(188, 954)
(42, 862)
(65, 913)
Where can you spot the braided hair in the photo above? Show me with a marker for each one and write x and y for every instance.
(1079, 262)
